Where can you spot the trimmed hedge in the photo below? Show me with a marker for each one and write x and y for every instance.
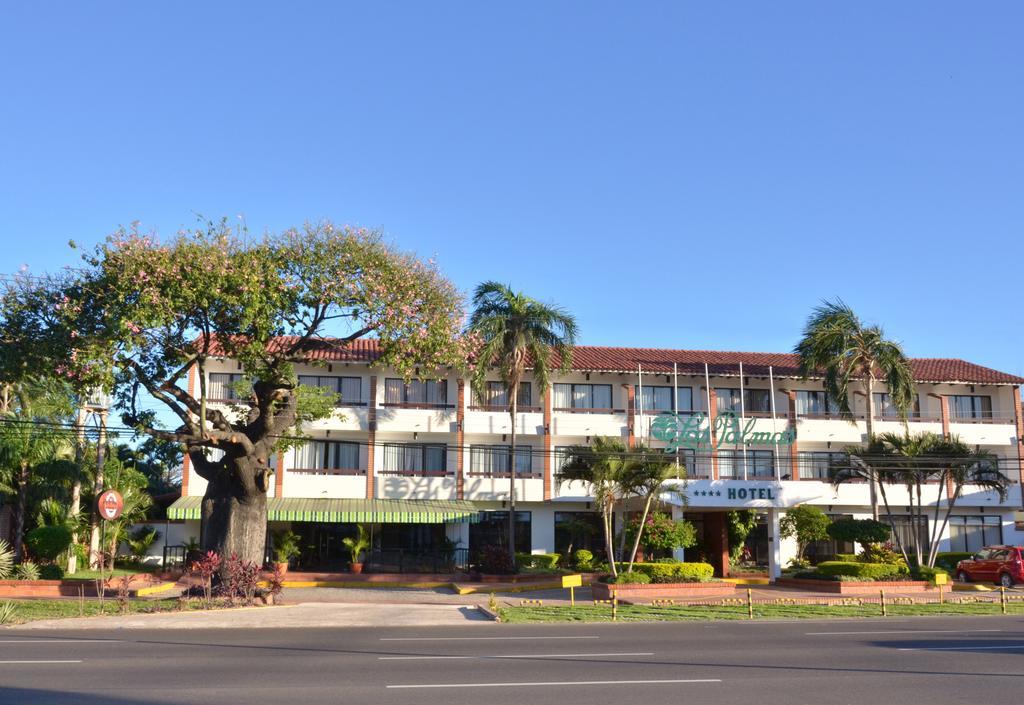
(862, 571)
(583, 560)
(673, 572)
(926, 573)
(631, 578)
(947, 560)
(538, 561)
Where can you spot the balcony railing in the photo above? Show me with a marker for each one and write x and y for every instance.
(327, 471)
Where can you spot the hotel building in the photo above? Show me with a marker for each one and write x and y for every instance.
(425, 463)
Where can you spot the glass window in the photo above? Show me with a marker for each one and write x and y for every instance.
(495, 395)
(578, 530)
(970, 533)
(583, 396)
(327, 455)
(348, 389)
(759, 464)
(430, 393)
(755, 401)
(812, 403)
(222, 386)
(492, 460)
(415, 459)
(492, 530)
(661, 398)
(885, 409)
(820, 465)
(970, 407)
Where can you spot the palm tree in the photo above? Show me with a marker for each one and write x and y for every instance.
(648, 473)
(914, 460)
(835, 342)
(605, 466)
(517, 332)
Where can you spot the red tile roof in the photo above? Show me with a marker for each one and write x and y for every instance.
(689, 362)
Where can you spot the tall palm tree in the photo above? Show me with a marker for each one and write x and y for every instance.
(839, 345)
(650, 470)
(517, 332)
(605, 466)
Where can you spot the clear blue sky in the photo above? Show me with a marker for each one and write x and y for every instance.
(692, 175)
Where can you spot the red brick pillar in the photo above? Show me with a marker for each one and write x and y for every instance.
(460, 437)
(1018, 416)
(279, 475)
(712, 398)
(630, 414)
(794, 464)
(548, 447)
(371, 447)
(716, 538)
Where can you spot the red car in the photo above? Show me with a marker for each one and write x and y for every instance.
(993, 564)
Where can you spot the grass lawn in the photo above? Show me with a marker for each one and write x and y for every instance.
(31, 610)
(87, 574)
(671, 613)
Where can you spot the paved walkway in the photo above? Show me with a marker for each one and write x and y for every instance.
(287, 616)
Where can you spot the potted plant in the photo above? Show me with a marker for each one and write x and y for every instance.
(357, 546)
(286, 546)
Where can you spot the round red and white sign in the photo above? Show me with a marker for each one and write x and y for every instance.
(110, 504)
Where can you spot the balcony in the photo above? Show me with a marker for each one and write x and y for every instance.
(588, 422)
(415, 486)
(418, 418)
(331, 484)
(495, 488)
(495, 420)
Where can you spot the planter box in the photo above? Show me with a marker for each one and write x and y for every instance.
(842, 587)
(66, 588)
(657, 591)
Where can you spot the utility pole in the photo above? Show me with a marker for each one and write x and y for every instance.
(95, 556)
(76, 490)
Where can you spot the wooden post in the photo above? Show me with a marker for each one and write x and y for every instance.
(1002, 599)
(882, 595)
(750, 606)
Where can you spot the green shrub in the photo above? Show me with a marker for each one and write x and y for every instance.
(51, 571)
(634, 578)
(8, 610)
(674, 572)
(881, 553)
(47, 542)
(538, 561)
(926, 573)
(847, 557)
(862, 571)
(862, 531)
(26, 570)
(6, 560)
(583, 560)
(948, 559)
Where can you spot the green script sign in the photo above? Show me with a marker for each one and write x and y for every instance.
(688, 431)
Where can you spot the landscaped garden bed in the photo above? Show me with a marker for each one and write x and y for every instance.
(646, 592)
(854, 587)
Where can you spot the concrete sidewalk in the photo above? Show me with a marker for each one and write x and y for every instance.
(285, 616)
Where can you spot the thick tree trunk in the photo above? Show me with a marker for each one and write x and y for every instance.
(19, 517)
(234, 511)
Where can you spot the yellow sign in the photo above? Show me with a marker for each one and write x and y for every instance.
(569, 581)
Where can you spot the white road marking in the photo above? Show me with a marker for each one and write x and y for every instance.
(24, 661)
(436, 658)
(481, 638)
(908, 631)
(60, 641)
(963, 648)
(550, 683)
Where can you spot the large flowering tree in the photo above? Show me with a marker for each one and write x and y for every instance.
(141, 312)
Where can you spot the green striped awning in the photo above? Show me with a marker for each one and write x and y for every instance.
(350, 511)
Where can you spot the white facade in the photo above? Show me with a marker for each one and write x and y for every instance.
(436, 441)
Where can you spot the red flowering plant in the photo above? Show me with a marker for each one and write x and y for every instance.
(142, 313)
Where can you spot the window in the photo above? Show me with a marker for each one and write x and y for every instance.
(970, 533)
(416, 393)
(222, 386)
(820, 465)
(492, 461)
(418, 459)
(811, 403)
(327, 456)
(759, 464)
(660, 398)
(970, 407)
(755, 401)
(903, 526)
(591, 397)
(578, 530)
(885, 409)
(492, 530)
(496, 395)
(348, 389)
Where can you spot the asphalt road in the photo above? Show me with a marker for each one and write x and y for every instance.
(907, 661)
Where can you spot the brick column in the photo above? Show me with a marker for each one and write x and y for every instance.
(630, 414)
(548, 448)
(712, 396)
(716, 536)
(1018, 416)
(371, 424)
(279, 476)
(794, 464)
(460, 437)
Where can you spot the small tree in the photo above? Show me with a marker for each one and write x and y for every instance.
(806, 524)
(866, 532)
(662, 533)
(739, 524)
